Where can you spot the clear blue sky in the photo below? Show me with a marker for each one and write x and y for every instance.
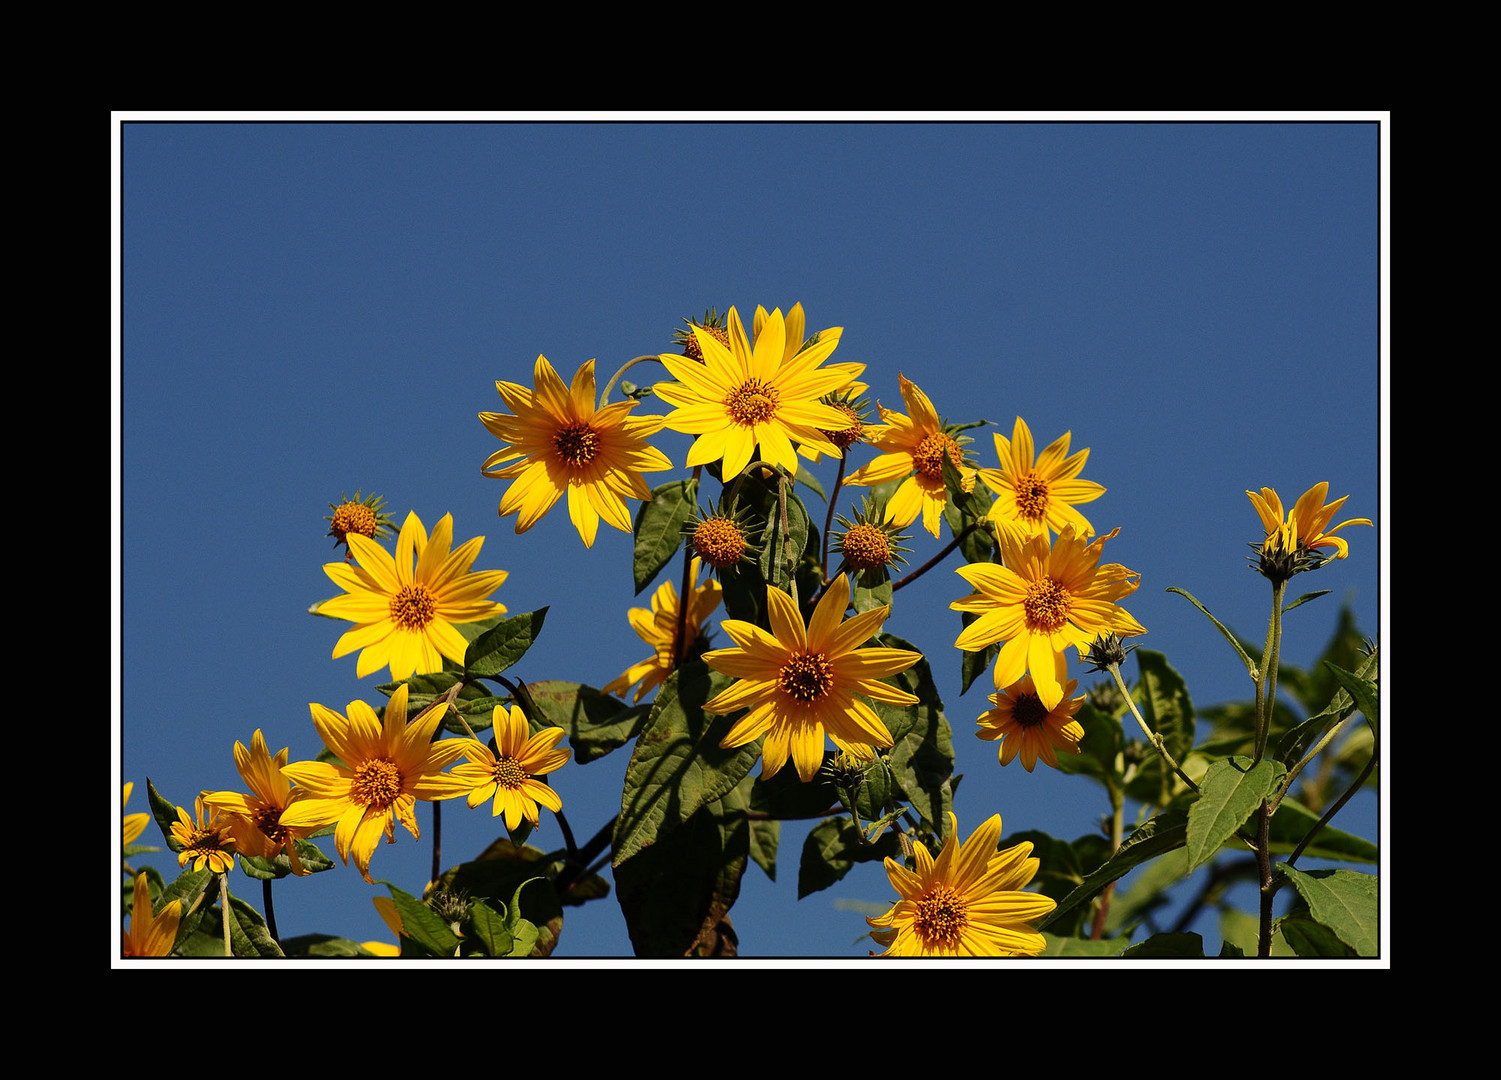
(311, 308)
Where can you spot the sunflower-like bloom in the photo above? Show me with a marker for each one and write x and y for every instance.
(967, 902)
(913, 446)
(508, 774)
(1307, 526)
(746, 396)
(132, 825)
(205, 842)
(796, 325)
(1044, 599)
(405, 616)
(558, 441)
(387, 766)
(148, 934)
(1026, 726)
(1036, 494)
(255, 819)
(800, 682)
(658, 627)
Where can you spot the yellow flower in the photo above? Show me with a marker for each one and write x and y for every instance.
(204, 843)
(1044, 599)
(404, 616)
(508, 774)
(658, 628)
(745, 396)
(255, 819)
(150, 935)
(799, 683)
(558, 441)
(1026, 726)
(133, 824)
(1036, 495)
(795, 327)
(387, 766)
(968, 902)
(1307, 526)
(913, 446)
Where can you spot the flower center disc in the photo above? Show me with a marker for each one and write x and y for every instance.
(806, 676)
(1047, 605)
(413, 607)
(1032, 496)
(354, 518)
(719, 542)
(865, 547)
(754, 402)
(942, 915)
(1028, 710)
(577, 444)
(845, 437)
(928, 457)
(377, 782)
(509, 773)
(268, 821)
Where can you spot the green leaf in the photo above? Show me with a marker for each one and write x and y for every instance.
(488, 930)
(1076, 948)
(1311, 940)
(1291, 823)
(659, 528)
(1166, 707)
(309, 854)
(974, 664)
(1299, 739)
(1163, 833)
(809, 480)
(596, 722)
(832, 848)
(774, 562)
(677, 765)
(872, 589)
(1363, 691)
(421, 925)
(496, 876)
(1148, 891)
(1344, 901)
(164, 813)
(922, 759)
(1167, 947)
(1304, 599)
(1221, 627)
(765, 838)
(1229, 794)
(1099, 749)
(500, 647)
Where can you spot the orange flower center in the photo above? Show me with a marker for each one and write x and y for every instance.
(752, 403)
(577, 443)
(719, 542)
(508, 772)
(1032, 496)
(413, 607)
(353, 518)
(846, 437)
(1047, 605)
(377, 783)
(866, 547)
(268, 820)
(942, 915)
(928, 457)
(1028, 710)
(807, 676)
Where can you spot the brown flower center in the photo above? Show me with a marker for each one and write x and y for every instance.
(942, 915)
(1028, 710)
(752, 403)
(353, 518)
(268, 820)
(577, 443)
(1032, 496)
(508, 772)
(806, 676)
(377, 783)
(413, 607)
(928, 457)
(719, 542)
(866, 546)
(1047, 605)
(844, 438)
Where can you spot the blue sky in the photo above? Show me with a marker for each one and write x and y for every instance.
(311, 308)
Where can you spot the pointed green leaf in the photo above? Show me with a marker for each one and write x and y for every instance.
(1229, 794)
(1363, 691)
(1167, 947)
(659, 528)
(809, 480)
(488, 930)
(1221, 627)
(1163, 833)
(500, 647)
(1166, 707)
(832, 849)
(1345, 901)
(596, 723)
(1291, 823)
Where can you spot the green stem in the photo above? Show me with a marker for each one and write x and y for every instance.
(828, 521)
(604, 398)
(1152, 737)
(1334, 807)
(936, 559)
(270, 910)
(1117, 833)
(224, 906)
(1266, 679)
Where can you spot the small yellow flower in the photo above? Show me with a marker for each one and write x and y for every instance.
(967, 902)
(133, 824)
(1306, 526)
(387, 766)
(559, 441)
(1045, 598)
(913, 446)
(150, 935)
(1036, 495)
(404, 616)
(799, 682)
(1027, 727)
(204, 843)
(255, 819)
(659, 627)
(508, 775)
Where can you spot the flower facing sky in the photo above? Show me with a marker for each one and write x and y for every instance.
(913, 446)
(1307, 525)
(205, 842)
(743, 396)
(1037, 494)
(148, 934)
(801, 682)
(558, 441)
(132, 825)
(508, 775)
(255, 819)
(1044, 599)
(658, 627)
(1027, 727)
(404, 616)
(967, 902)
(387, 766)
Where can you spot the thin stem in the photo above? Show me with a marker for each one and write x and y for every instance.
(1334, 807)
(270, 910)
(936, 559)
(224, 907)
(1266, 681)
(1264, 866)
(1152, 737)
(681, 631)
(604, 398)
(437, 839)
(828, 521)
(1117, 832)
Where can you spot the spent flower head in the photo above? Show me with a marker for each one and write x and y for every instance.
(712, 324)
(361, 515)
(724, 538)
(870, 545)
